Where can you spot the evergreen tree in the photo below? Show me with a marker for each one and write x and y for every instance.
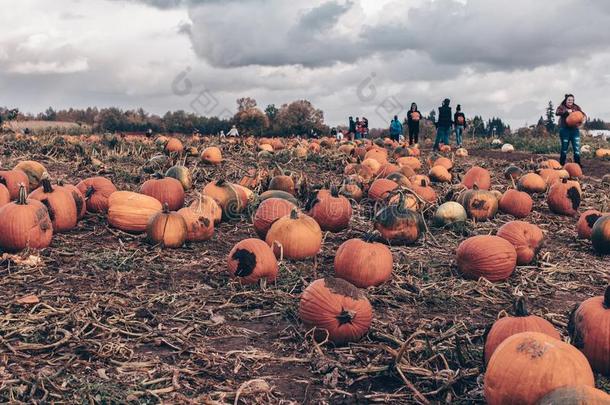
(432, 116)
(550, 117)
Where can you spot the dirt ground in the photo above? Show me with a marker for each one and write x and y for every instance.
(122, 321)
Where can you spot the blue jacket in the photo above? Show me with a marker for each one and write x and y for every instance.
(395, 127)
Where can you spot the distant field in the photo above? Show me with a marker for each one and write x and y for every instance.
(41, 125)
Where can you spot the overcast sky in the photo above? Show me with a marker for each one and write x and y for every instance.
(367, 57)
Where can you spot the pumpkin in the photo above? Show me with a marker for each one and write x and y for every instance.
(511, 325)
(477, 176)
(278, 194)
(590, 331)
(199, 227)
(398, 224)
(575, 395)
(253, 178)
(525, 237)
(207, 207)
(552, 176)
(331, 211)
(531, 183)
(296, 236)
(575, 119)
(550, 164)
(182, 174)
(573, 169)
(79, 199)
(130, 211)
(480, 205)
(527, 365)
(166, 228)
(600, 235)
(96, 191)
(516, 203)
(251, 260)
(165, 189)
(439, 174)
(59, 203)
(490, 257)
(226, 196)
(387, 169)
(507, 148)
(584, 226)
(269, 211)
(406, 200)
(512, 172)
(407, 171)
(212, 155)
(410, 161)
(400, 179)
(282, 183)
(461, 152)
(5, 195)
(337, 310)
(24, 224)
(372, 164)
(362, 171)
(420, 180)
(351, 190)
(449, 213)
(265, 147)
(424, 191)
(445, 148)
(378, 154)
(12, 179)
(443, 161)
(174, 145)
(564, 198)
(34, 170)
(602, 153)
(363, 263)
(380, 189)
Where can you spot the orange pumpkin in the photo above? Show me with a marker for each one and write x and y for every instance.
(174, 145)
(269, 211)
(278, 194)
(378, 154)
(35, 171)
(337, 310)
(490, 257)
(166, 228)
(400, 179)
(96, 190)
(381, 188)
(480, 205)
(410, 161)
(165, 189)
(12, 179)
(525, 237)
(424, 191)
(387, 169)
(79, 199)
(211, 155)
(516, 203)
(331, 211)
(564, 198)
(531, 183)
(5, 195)
(584, 226)
(296, 236)
(130, 211)
(398, 224)
(372, 164)
(24, 224)
(575, 119)
(207, 207)
(362, 171)
(60, 205)
(552, 176)
(590, 331)
(550, 164)
(575, 395)
(351, 189)
(226, 196)
(439, 174)
(479, 176)
(199, 227)
(251, 260)
(443, 161)
(363, 263)
(528, 365)
(600, 235)
(282, 183)
(511, 325)
(573, 169)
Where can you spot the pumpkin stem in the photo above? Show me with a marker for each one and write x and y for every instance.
(520, 306)
(90, 191)
(334, 191)
(345, 316)
(607, 298)
(46, 185)
(165, 208)
(475, 186)
(368, 237)
(294, 214)
(22, 198)
(158, 176)
(221, 182)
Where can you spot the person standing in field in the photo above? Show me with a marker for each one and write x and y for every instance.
(569, 134)
(358, 129)
(365, 127)
(352, 128)
(459, 120)
(413, 117)
(233, 131)
(395, 129)
(443, 125)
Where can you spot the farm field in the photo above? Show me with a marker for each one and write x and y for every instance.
(117, 319)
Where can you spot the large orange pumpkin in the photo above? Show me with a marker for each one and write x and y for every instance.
(166, 228)
(480, 205)
(575, 395)
(5, 195)
(531, 183)
(511, 325)
(525, 237)
(363, 263)
(295, 236)
(24, 224)
(174, 145)
(331, 211)
(269, 211)
(398, 224)
(516, 203)
(79, 199)
(564, 197)
(96, 190)
(490, 257)
(590, 331)
(600, 235)
(283, 183)
(477, 176)
(527, 365)
(424, 191)
(199, 226)
(211, 155)
(336, 309)
(573, 169)
(575, 118)
(165, 189)
(410, 161)
(442, 161)
(584, 226)
(226, 196)
(381, 188)
(251, 260)
(12, 179)
(439, 174)
(207, 207)
(130, 211)
(60, 204)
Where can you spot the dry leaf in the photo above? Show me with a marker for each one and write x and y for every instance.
(28, 299)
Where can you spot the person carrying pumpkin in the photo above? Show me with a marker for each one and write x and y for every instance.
(459, 120)
(352, 127)
(413, 117)
(443, 124)
(395, 129)
(568, 128)
(358, 129)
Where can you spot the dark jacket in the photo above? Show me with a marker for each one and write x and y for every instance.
(352, 126)
(456, 121)
(562, 112)
(410, 121)
(444, 117)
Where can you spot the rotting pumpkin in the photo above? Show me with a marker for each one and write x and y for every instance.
(251, 260)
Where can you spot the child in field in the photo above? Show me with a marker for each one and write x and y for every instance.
(459, 120)
(569, 134)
